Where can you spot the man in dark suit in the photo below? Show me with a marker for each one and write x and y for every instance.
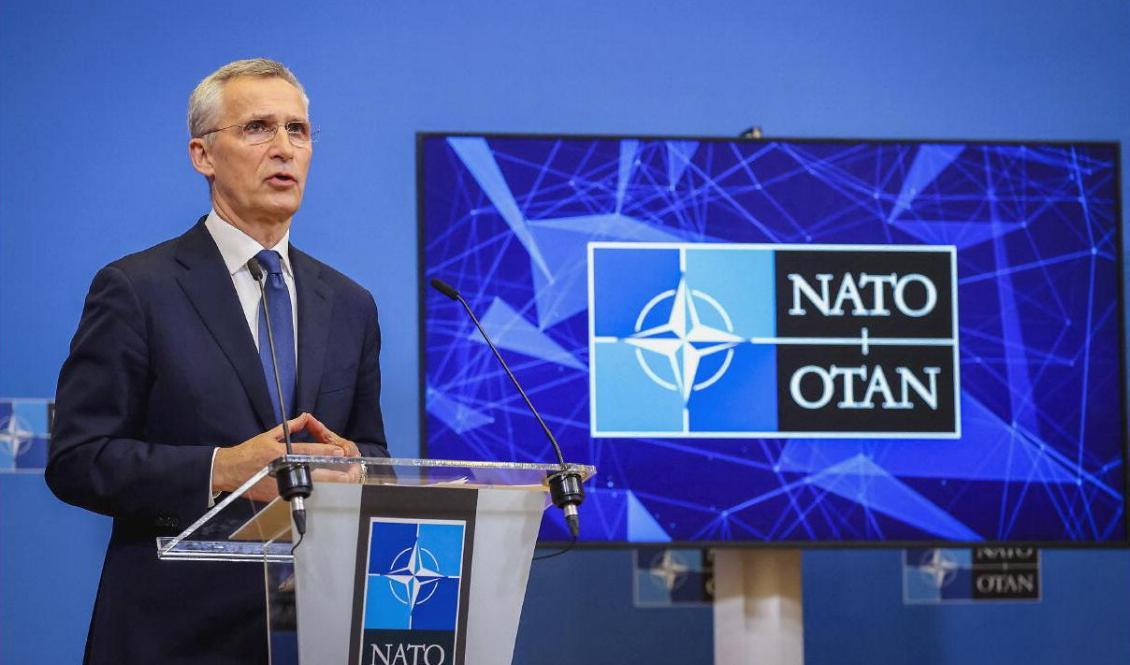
(168, 396)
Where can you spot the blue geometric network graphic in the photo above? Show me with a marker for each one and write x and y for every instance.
(1034, 228)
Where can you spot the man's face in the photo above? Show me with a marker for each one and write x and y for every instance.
(255, 183)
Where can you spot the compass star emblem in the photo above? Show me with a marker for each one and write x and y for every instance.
(14, 434)
(939, 567)
(684, 340)
(669, 570)
(414, 575)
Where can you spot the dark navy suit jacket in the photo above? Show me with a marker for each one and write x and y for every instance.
(162, 369)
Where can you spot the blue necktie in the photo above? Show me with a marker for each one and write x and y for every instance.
(282, 325)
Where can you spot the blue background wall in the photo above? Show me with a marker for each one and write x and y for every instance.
(93, 165)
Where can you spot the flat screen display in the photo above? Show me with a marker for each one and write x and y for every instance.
(786, 341)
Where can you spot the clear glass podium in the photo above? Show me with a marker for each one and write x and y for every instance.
(403, 560)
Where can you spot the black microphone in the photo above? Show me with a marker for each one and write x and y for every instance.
(293, 479)
(564, 486)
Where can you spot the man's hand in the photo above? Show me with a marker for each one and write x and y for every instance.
(234, 465)
(351, 473)
(325, 435)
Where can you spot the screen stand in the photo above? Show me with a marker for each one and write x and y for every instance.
(758, 615)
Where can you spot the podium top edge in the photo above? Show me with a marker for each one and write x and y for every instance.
(586, 471)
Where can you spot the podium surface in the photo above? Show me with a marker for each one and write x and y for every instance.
(403, 560)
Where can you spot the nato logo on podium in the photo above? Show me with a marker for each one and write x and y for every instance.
(411, 609)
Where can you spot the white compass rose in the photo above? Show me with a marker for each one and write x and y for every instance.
(414, 576)
(684, 340)
(938, 567)
(15, 434)
(669, 570)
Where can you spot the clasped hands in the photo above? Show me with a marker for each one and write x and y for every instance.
(233, 466)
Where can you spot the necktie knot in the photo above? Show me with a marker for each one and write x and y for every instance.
(271, 261)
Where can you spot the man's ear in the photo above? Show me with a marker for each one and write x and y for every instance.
(200, 153)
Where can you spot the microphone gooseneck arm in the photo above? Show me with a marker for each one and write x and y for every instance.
(257, 275)
(450, 292)
(293, 479)
(564, 486)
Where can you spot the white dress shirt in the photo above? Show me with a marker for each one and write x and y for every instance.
(236, 247)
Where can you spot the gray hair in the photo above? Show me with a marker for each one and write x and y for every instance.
(204, 102)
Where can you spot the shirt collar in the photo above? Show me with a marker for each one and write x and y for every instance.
(237, 248)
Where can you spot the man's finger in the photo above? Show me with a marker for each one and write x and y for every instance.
(296, 424)
(326, 435)
(332, 476)
(319, 449)
(320, 431)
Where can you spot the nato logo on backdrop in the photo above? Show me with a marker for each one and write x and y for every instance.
(25, 428)
(934, 576)
(738, 340)
(411, 596)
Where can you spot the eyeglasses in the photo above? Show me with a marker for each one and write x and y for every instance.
(260, 131)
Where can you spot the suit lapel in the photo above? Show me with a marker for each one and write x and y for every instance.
(206, 282)
(315, 303)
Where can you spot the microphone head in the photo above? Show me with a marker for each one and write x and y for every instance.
(445, 288)
(255, 268)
